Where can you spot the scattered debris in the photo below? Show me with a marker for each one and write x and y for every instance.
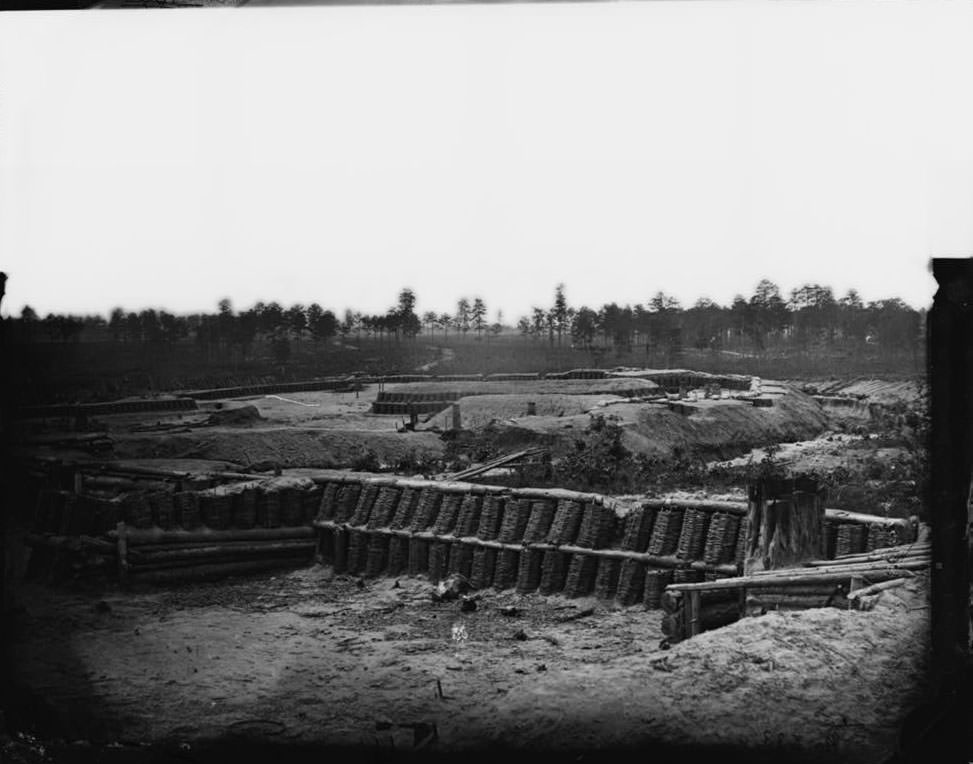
(451, 588)
(576, 616)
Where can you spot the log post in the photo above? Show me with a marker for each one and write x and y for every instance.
(457, 418)
(694, 624)
(122, 552)
(786, 525)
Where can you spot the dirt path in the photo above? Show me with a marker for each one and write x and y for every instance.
(306, 657)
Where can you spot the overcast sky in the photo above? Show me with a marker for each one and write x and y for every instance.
(171, 158)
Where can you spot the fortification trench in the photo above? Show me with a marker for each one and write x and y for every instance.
(308, 657)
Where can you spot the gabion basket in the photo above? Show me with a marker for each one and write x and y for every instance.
(606, 579)
(468, 516)
(363, 507)
(655, 583)
(484, 567)
(491, 516)
(508, 566)
(539, 523)
(529, 570)
(329, 502)
(405, 509)
(427, 509)
(554, 570)
(384, 508)
(516, 513)
(448, 513)
(580, 579)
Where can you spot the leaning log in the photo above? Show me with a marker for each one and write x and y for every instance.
(231, 550)
(902, 550)
(876, 588)
(782, 578)
(911, 563)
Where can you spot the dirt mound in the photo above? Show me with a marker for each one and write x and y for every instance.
(720, 429)
(238, 416)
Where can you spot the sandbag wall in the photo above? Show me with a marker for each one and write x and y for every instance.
(549, 541)
(165, 534)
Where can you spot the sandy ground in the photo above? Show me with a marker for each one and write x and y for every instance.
(304, 656)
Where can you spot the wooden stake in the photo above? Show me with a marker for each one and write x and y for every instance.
(122, 553)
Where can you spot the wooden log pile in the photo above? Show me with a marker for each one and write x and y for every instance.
(163, 535)
(848, 581)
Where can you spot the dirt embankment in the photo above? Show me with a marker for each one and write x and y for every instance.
(711, 429)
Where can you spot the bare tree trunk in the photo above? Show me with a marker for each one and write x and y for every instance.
(786, 525)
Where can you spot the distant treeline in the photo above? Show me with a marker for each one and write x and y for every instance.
(810, 319)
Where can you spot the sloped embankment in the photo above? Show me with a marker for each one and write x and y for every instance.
(711, 429)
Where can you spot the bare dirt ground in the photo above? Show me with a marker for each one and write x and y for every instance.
(308, 657)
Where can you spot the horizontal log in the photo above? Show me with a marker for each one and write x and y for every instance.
(888, 560)
(241, 550)
(556, 494)
(842, 515)
(916, 549)
(797, 590)
(751, 582)
(615, 554)
(214, 570)
(220, 558)
(140, 536)
(71, 543)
